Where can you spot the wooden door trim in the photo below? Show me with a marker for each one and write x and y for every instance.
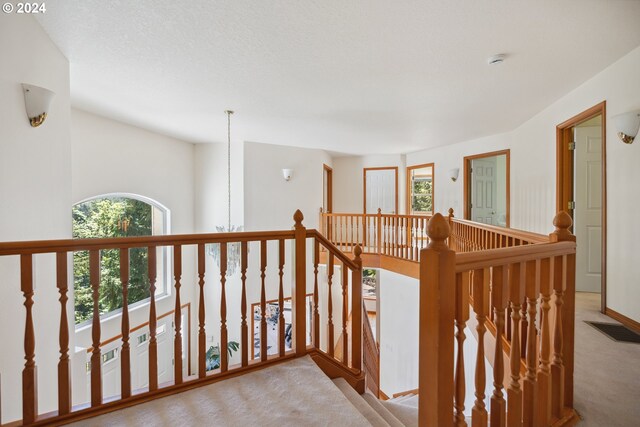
(433, 187)
(329, 171)
(364, 181)
(565, 184)
(467, 181)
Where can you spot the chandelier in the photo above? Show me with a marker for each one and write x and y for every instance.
(233, 249)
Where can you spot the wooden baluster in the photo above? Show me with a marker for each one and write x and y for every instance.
(281, 336)
(481, 307)
(243, 306)
(499, 293)
(330, 342)
(125, 352)
(96, 357)
(563, 223)
(462, 315)
(299, 288)
(153, 341)
(514, 392)
(357, 313)
(263, 301)
(530, 384)
(437, 313)
(224, 353)
(316, 297)
(451, 236)
(64, 370)
(202, 337)
(345, 314)
(544, 371)
(177, 341)
(352, 241)
(379, 231)
(557, 366)
(30, 371)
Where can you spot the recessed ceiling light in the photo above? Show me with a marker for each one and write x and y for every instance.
(497, 59)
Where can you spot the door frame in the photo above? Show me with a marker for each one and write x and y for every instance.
(467, 181)
(433, 188)
(329, 170)
(565, 179)
(364, 185)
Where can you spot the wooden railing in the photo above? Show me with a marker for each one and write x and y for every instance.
(498, 279)
(371, 359)
(348, 285)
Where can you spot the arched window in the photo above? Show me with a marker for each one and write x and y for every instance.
(117, 215)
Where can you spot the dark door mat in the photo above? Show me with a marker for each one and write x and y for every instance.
(616, 332)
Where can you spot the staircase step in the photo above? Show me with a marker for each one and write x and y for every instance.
(409, 400)
(381, 410)
(402, 398)
(407, 415)
(360, 404)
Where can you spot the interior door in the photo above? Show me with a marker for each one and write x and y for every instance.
(484, 190)
(380, 190)
(588, 210)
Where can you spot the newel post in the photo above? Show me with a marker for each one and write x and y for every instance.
(450, 239)
(437, 311)
(564, 286)
(299, 290)
(356, 310)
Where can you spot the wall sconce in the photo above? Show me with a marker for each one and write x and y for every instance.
(37, 101)
(287, 173)
(627, 125)
(453, 174)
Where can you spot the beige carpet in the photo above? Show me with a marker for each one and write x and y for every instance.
(275, 396)
(607, 373)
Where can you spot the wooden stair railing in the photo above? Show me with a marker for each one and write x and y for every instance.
(498, 278)
(371, 359)
(347, 289)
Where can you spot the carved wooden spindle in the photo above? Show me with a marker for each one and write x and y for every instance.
(202, 337)
(125, 353)
(281, 336)
(436, 342)
(514, 392)
(461, 317)
(530, 383)
(330, 341)
(345, 314)
(379, 231)
(451, 236)
(263, 301)
(544, 370)
(153, 341)
(30, 371)
(64, 370)
(96, 358)
(244, 329)
(316, 312)
(557, 365)
(177, 320)
(357, 312)
(481, 307)
(224, 354)
(499, 292)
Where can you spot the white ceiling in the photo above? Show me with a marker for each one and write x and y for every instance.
(348, 76)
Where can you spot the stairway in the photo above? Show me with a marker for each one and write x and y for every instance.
(399, 412)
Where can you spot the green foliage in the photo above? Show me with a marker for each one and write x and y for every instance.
(422, 196)
(102, 218)
(213, 354)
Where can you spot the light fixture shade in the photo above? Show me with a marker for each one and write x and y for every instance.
(37, 101)
(627, 125)
(287, 174)
(453, 174)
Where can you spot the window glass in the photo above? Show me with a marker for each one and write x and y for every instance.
(421, 189)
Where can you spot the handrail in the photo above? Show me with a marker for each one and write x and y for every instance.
(332, 248)
(507, 231)
(371, 356)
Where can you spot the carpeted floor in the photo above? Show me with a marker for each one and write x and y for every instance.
(607, 373)
(275, 396)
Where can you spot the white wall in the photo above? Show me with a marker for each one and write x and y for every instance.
(533, 171)
(348, 180)
(35, 200)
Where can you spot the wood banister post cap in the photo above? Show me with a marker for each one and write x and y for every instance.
(379, 211)
(357, 251)
(438, 230)
(451, 212)
(562, 221)
(298, 217)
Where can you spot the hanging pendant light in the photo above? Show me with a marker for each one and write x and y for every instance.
(233, 249)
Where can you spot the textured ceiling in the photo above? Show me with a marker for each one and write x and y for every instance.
(347, 76)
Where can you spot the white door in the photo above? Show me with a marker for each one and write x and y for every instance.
(588, 211)
(381, 191)
(484, 192)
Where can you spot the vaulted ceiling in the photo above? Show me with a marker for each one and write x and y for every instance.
(352, 76)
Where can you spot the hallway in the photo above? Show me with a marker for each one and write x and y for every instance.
(607, 373)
